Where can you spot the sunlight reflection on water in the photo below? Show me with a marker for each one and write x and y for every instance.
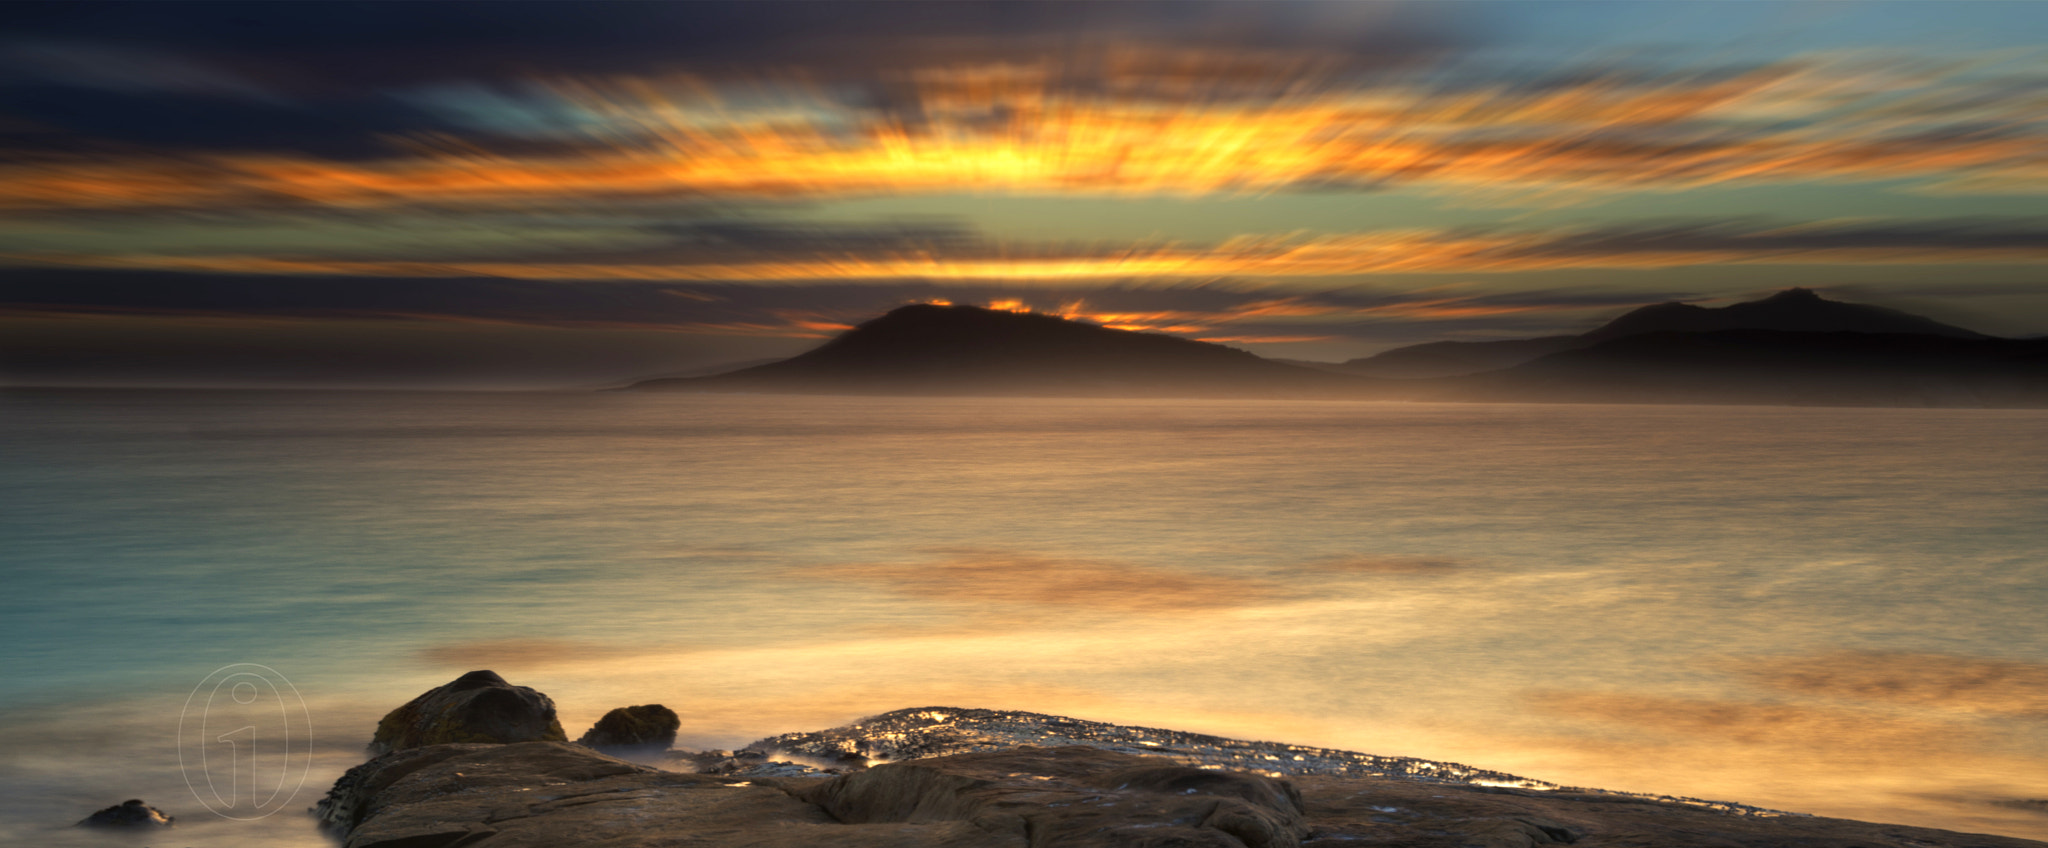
(1831, 611)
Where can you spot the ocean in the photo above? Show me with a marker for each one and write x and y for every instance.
(1828, 611)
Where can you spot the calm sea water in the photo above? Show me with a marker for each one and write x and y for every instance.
(1822, 610)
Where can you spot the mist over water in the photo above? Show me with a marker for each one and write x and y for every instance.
(1833, 611)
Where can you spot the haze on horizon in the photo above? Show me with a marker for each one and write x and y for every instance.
(550, 194)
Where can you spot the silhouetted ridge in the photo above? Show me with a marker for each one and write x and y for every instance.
(962, 350)
(1796, 310)
(910, 336)
(934, 349)
(1792, 310)
(1781, 367)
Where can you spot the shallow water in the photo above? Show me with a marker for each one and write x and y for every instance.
(1823, 610)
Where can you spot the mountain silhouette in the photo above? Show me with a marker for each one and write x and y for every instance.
(1776, 367)
(1793, 310)
(1667, 353)
(926, 349)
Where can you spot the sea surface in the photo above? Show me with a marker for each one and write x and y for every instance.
(1832, 611)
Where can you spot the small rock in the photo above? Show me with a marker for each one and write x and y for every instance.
(130, 813)
(642, 730)
(476, 707)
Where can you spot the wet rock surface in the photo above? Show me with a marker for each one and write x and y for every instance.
(477, 707)
(924, 732)
(553, 795)
(556, 794)
(634, 731)
(1076, 796)
(132, 813)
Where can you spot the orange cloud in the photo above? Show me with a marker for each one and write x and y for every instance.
(1390, 251)
(1139, 124)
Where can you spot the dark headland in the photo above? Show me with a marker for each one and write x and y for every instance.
(1792, 311)
(1793, 348)
(481, 762)
(929, 349)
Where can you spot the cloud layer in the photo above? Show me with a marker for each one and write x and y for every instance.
(890, 146)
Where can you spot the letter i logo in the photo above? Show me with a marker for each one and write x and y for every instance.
(245, 741)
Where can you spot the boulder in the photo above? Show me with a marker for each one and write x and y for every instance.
(130, 813)
(476, 707)
(554, 794)
(628, 731)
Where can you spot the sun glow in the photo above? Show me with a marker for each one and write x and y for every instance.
(1132, 120)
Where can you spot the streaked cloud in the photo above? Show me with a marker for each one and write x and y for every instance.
(1141, 119)
(755, 321)
(126, 68)
(956, 259)
(1273, 155)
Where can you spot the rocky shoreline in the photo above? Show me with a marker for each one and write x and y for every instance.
(927, 732)
(481, 762)
(944, 777)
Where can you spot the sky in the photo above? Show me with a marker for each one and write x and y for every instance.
(542, 195)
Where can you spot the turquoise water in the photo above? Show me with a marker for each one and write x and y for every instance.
(1823, 610)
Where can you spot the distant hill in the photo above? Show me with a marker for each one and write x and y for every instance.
(1776, 367)
(1792, 310)
(926, 349)
(1669, 353)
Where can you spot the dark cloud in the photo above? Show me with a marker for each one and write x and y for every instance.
(389, 44)
(797, 239)
(116, 121)
(540, 303)
(332, 78)
(704, 306)
(1751, 237)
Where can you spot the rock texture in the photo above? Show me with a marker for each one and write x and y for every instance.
(923, 732)
(476, 707)
(1077, 796)
(551, 795)
(633, 731)
(130, 813)
(538, 794)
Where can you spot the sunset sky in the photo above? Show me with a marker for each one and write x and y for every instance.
(537, 194)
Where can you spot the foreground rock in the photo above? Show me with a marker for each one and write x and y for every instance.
(923, 732)
(634, 731)
(1073, 797)
(551, 795)
(130, 813)
(554, 794)
(476, 707)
